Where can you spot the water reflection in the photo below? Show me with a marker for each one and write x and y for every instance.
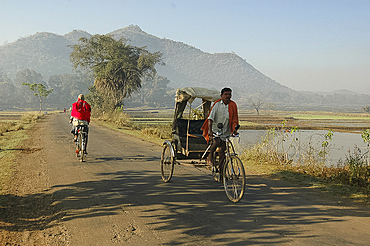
(338, 148)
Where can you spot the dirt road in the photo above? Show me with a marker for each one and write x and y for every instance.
(117, 197)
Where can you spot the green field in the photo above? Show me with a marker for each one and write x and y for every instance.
(328, 117)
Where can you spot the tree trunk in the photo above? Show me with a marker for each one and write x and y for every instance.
(40, 104)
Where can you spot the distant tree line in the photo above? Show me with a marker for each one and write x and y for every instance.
(66, 88)
(16, 94)
(113, 72)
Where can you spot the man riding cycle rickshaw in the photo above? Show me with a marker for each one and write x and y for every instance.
(190, 143)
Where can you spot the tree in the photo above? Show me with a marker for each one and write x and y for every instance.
(40, 91)
(7, 88)
(26, 76)
(99, 99)
(366, 109)
(154, 92)
(118, 68)
(256, 102)
(67, 87)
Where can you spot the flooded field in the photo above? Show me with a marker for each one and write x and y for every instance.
(305, 121)
(298, 142)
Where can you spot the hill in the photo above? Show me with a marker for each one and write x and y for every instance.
(48, 54)
(189, 66)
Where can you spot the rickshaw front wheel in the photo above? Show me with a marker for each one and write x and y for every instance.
(167, 161)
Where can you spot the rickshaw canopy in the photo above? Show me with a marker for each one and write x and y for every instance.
(187, 95)
(187, 133)
(191, 93)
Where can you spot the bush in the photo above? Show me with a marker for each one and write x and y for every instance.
(6, 126)
(118, 118)
(359, 172)
(30, 117)
(25, 119)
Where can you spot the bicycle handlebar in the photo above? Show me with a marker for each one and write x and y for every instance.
(218, 134)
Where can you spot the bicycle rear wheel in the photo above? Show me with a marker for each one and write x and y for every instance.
(78, 146)
(234, 178)
(167, 162)
(81, 149)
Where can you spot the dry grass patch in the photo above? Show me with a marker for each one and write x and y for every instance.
(11, 135)
(160, 131)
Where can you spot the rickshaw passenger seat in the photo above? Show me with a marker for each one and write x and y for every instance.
(194, 127)
(196, 139)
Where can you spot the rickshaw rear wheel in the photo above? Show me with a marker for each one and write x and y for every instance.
(234, 178)
(167, 162)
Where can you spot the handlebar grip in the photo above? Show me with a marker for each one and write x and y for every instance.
(237, 127)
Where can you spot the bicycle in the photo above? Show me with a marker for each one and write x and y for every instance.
(229, 170)
(82, 134)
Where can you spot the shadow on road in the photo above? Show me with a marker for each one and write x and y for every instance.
(194, 204)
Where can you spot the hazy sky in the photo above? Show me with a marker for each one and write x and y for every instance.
(315, 45)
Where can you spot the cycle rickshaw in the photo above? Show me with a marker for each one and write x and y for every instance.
(188, 146)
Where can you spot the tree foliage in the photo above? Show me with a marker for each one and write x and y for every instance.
(118, 68)
(154, 92)
(27, 76)
(8, 90)
(67, 87)
(367, 109)
(256, 102)
(40, 91)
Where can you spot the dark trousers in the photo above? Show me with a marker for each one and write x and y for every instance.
(217, 142)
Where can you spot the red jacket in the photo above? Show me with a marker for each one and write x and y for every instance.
(233, 118)
(81, 110)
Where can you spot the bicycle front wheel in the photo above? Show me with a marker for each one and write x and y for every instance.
(167, 162)
(234, 178)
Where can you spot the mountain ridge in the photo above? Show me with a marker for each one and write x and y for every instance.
(48, 54)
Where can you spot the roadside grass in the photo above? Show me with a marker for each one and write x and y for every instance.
(146, 128)
(12, 133)
(350, 179)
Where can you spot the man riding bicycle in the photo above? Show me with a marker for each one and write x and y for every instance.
(223, 111)
(80, 115)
